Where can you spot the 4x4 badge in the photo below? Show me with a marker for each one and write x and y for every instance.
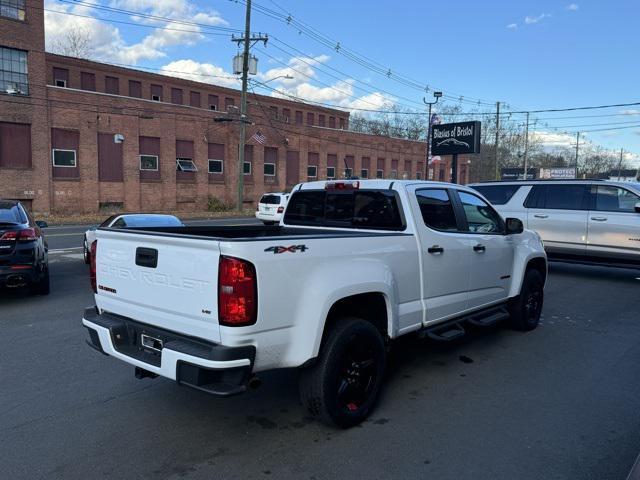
(291, 249)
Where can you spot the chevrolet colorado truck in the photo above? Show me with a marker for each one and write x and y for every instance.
(351, 266)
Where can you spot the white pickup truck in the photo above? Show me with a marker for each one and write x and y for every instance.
(352, 266)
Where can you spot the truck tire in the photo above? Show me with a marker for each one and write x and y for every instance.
(342, 387)
(86, 252)
(526, 308)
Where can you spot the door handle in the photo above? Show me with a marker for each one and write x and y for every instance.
(435, 249)
(479, 248)
(541, 215)
(599, 219)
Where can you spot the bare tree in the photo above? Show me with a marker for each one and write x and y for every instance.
(76, 42)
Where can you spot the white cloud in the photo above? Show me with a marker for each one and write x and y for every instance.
(105, 40)
(630, 111)
(512, 26)
(201, 72)
(531, 19)
(572, 7)
(553, 140)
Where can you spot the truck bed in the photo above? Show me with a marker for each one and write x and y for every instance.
(253, 232)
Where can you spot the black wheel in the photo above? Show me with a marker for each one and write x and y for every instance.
(86, 251)
(526, 308)
(42, 287)
(342, 387)
(268, 222)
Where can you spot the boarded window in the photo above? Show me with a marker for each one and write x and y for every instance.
(273, 110)
(380, 170)
(65, 145)
(342, 124)
(216, 162)
(229, 102)
(194, 99)
(88, 81)
(149, 149)
(350, 162)
(286, 115)
(213, 102)
(321, 120)
(332, 122)
(185, 152)
(298, 117)
(270, 161)
(407, 168)
(293, 167)
(248, 163)
(310, 118)
(420, 170)
(109, 158)
(15, 145)
(112, 85)
(60, 77)
(135, 89)
(313, 159)
(332, 160)
(156, 93)
(176, 96)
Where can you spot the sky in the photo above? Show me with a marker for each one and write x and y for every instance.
(363, 55)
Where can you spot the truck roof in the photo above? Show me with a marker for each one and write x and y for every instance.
(371, 184)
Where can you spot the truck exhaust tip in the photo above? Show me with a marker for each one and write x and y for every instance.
(254, 382)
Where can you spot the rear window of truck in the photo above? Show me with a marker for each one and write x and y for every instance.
(368, 209)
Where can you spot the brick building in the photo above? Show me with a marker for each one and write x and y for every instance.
(81, 137)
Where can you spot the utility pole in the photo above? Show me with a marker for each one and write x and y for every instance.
(577, 150)
(246, 41)
(620, 163)
(497, 139)
(526, 148)
(437, 96)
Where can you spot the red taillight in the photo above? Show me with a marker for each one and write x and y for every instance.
(10, 236)
(237, 292)
(92, 266)
(280, 209)
(27, 235)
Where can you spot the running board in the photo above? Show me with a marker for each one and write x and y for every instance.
(488, 318)
(453, 329)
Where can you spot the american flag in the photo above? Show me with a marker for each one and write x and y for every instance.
(259, 137)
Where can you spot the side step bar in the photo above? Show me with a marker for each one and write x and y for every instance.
(454, 329)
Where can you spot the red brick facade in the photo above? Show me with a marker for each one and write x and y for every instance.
(110, 116)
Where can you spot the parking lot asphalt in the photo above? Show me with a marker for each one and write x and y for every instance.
(561, 402)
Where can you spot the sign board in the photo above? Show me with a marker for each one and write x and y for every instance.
(455, 138)
(559, 173)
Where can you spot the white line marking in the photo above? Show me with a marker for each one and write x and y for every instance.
(65, 250)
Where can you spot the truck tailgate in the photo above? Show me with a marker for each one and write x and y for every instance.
(161, 280)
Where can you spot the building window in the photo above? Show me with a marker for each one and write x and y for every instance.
(298, 117)
(14, 76)
(112, 85)
(364, 173)
(176, 96)
(331, 172)
(274, 112)
(194, 99)
(310, 118)
(64, 158)
(270, 169)
(286, 115)
(135, 89)
(247, 168)
(342, 123)
(394, 174)
(216, 166)
(312, 171)
(13, 9)
(379, 173)
(156, 93)
(321, 120)
(418, 175)
(88, 81)
(60, 77)
(348, 173)
(332, 122)
(213, 102)
(185, 165)
(149, 162)
(229, 103)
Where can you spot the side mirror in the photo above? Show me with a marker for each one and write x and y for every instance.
(514, 226)
(637, 207)
(42, 223)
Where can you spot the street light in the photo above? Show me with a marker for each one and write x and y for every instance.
(437, 96)
(287, 77)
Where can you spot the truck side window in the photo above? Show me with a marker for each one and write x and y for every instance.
(481, 218)
(437, 209)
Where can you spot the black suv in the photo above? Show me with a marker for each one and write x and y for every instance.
(23, 249)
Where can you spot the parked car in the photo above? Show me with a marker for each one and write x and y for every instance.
(128, 220)
(24, 258)
(584, 221)
(271, 207)
(352, 266)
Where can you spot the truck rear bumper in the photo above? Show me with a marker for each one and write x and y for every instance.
(203, 365)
